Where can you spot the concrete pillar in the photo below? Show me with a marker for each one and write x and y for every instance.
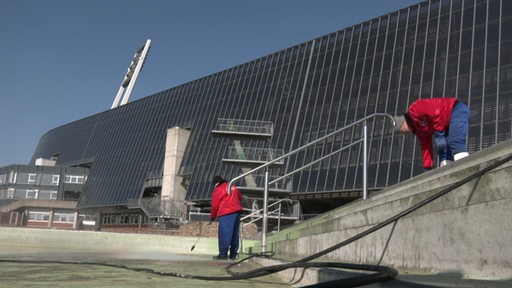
(13, 217)
(50, 219)
(23, 218)
(175, 146)
(75, 220)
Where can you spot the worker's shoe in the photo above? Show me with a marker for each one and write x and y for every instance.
(219, 257)
(460, 155)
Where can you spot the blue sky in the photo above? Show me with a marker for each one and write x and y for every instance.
(63, 60)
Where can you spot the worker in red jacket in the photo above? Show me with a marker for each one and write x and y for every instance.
(227, 207)
(444, 119)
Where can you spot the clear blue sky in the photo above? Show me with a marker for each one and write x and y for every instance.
(63, 60)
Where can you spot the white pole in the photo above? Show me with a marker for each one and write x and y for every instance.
(365, 161)
(136, 72)
(118, 97)
(265, 215)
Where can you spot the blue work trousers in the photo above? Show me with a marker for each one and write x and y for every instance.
(228, 234)
(457, 132)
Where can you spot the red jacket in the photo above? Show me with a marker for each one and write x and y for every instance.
(224, 204)
(426, 116)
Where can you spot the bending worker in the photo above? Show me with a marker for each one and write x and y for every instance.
(444, 119)
(228, 208)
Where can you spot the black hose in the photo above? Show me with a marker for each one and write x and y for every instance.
(382, 273)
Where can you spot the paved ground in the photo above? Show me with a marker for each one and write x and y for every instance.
(49, 258)
(44, 274)
(56, 258)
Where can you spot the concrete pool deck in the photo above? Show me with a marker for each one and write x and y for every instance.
(57, 258)
(62, 258)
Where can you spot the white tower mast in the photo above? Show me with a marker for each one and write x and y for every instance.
(131, 75)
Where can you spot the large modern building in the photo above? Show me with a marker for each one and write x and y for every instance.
(166, 147)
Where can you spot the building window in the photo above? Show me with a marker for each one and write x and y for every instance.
(32, 178)
(20, 193)
(31, 194)
(55, 179)
(121, 219)
(10, 193)
(73, 179)
(124, 219)
(47, 195)
(64, 217)
(134, 219)
(109, 219)
(38, 216)
(48, 179)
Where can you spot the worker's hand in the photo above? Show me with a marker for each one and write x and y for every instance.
(211, 220)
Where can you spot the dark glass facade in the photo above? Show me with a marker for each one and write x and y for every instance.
(458, 48)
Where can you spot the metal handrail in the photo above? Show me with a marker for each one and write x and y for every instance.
(316, 161)
(257, 213)
(258, 217)
(246, 126)
(293, 152)
(252, 153)
(261, 210)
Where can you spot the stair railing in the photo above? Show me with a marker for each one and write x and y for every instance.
(257, 215)
(304, 147)
(161, 207)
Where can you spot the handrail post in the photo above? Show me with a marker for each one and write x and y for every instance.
(265, 215)
(279, 218)
(365, 161)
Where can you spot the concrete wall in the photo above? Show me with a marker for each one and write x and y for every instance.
(468, 231)
(29, 242)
